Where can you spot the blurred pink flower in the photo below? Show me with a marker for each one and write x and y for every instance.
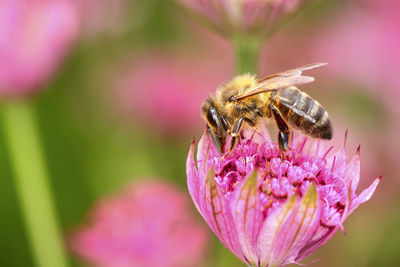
(148, 225)
(36, 35)
(362, 44)
(230, 16)
(110, 16)
(270, 212)
(166, 90)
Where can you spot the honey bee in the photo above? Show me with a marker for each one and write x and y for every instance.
(246, 99)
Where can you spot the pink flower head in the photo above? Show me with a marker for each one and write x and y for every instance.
(35, 35)
(230, 16)
(362, 45)
(148, 225)
(110, 17)
(99, 15)
(270, 212)
(161, 90)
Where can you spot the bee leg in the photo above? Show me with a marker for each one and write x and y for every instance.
(234, 134)
(283, 135)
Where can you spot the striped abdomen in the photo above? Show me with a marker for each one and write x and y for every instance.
(302, 112)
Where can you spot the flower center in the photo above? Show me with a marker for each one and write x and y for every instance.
(280, 179)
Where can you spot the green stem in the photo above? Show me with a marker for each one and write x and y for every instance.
(32, 185)
(246, 51)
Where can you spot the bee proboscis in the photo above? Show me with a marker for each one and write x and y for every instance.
(246, 99)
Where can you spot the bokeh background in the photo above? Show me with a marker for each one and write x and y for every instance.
(123, 102)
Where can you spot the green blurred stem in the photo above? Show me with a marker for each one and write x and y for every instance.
(246, 51)
(32, 186)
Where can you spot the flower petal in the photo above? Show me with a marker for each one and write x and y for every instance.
(205, 150)
(364, 196)
(352, 174)
(270, 230)
(247, 216)
(217, 215)
(284, 233)
(192, 175)
(298, 229)
(202, 153)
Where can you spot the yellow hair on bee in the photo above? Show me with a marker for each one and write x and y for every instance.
(242, 82)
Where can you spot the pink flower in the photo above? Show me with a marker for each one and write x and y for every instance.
(230, 16)
(35, 35)
(111, 17)
(362, 45)
(270, 212)
(163, 90)
(148, 225)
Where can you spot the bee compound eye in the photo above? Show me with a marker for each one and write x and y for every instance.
(212, 116)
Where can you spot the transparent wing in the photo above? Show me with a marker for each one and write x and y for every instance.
(293, 72)
(281, 80)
